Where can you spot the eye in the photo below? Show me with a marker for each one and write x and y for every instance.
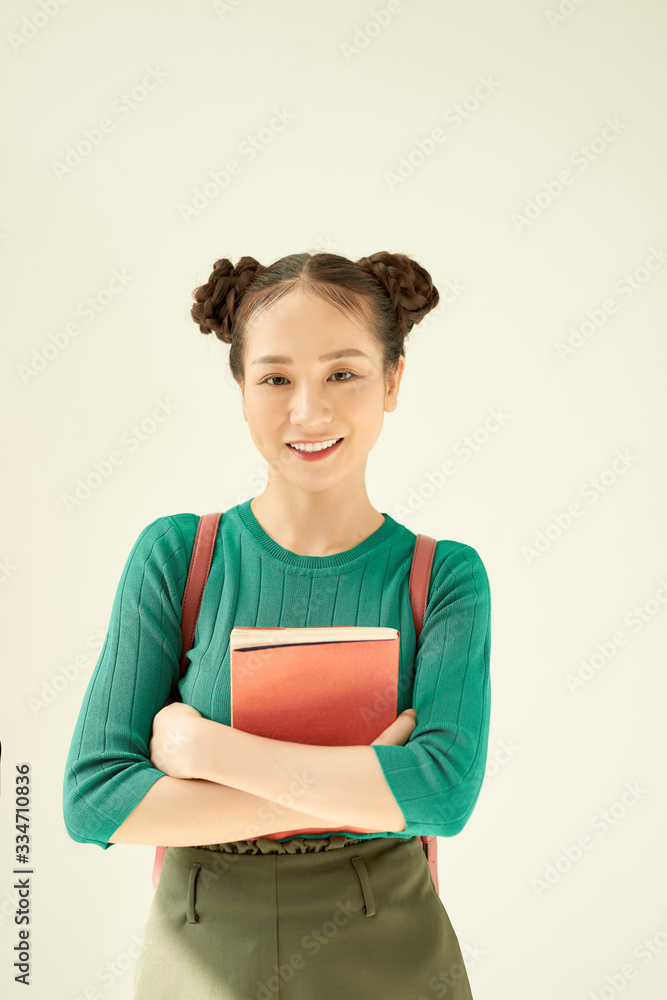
(342, 371)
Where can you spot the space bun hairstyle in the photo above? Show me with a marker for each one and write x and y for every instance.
(388, 292)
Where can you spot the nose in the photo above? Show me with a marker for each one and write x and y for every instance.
(310, 407)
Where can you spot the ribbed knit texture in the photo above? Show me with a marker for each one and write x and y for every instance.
(435, 778)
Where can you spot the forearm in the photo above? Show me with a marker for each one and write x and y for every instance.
(342, 785)
(182, 812)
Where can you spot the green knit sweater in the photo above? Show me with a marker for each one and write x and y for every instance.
(435, 778)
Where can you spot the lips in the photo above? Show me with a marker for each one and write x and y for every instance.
(317, 454)
(313, 441)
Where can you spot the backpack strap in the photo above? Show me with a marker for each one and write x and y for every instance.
(418, 585)
(200, 564)
(420, 578)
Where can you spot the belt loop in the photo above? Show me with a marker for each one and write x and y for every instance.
(360, 868)
(194, 872)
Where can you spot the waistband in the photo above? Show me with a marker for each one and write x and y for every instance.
(295, 845)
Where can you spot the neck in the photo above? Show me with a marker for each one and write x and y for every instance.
(316, 524)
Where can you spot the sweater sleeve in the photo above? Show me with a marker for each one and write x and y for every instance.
(108, 769)
(437, 776)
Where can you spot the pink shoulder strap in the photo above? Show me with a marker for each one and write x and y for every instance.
(420, 578)
(200, 564)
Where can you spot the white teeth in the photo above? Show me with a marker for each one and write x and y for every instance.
(319, 446)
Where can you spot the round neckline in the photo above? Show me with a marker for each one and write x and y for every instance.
(388, 526)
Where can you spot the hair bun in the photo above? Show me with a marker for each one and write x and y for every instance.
(407, 283)
(217, 300)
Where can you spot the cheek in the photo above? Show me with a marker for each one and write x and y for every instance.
(367, 403)
(260, 411)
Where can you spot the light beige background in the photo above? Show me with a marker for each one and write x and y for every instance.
(362, 100)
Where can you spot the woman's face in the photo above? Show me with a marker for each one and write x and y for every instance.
(292, 393)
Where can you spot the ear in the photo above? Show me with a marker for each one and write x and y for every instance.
(393, 383)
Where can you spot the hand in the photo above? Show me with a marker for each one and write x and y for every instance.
(173, 740)
(400, 730)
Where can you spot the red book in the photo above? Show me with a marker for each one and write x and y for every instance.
(327, 686)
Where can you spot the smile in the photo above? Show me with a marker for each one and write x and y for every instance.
(317, 450)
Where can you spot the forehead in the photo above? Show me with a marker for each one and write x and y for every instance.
(307, 323)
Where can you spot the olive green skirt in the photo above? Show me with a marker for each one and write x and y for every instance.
(328, 918)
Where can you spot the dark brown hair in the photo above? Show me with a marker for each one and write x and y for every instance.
(389, 292)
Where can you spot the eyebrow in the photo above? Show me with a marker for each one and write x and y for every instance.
(282, 359)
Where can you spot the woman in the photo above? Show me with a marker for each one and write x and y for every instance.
(317, 349)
